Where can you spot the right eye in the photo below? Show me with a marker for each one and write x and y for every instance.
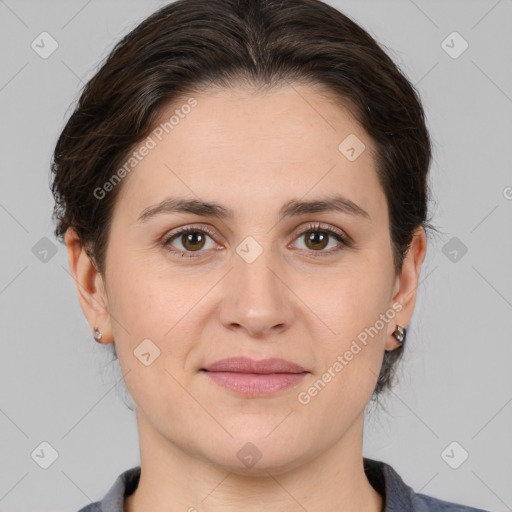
(192, 239)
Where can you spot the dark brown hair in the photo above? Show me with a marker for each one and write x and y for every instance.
(190, 45)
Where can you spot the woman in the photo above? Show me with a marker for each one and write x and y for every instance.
(242, 190)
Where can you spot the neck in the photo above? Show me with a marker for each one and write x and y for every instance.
(173, 479)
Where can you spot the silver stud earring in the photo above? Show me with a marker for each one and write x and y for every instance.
(97, 334)
(399, 334)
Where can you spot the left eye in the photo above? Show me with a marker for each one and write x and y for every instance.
(318, 239)
(194, 240)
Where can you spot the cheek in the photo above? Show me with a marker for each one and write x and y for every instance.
(149, 318)
(149, 302)
(168, 309)
(350, 300)
(349, 353)
(350, 350)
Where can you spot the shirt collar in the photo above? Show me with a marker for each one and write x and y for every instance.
(396, 495)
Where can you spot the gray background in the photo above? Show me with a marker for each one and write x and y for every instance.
(455, 383)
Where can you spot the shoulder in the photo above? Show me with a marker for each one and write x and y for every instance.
(424, 503)
(92, 507)
(124, 485)
(398, 496)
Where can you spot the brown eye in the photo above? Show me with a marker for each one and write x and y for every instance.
(192, 240)
(316, 240)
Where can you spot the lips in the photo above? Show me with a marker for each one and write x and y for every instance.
(248, 365)
(253, 379)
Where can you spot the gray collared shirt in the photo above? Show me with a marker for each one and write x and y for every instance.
(398, 497)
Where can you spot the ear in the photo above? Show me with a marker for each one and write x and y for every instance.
(406, 285)
(89, 285)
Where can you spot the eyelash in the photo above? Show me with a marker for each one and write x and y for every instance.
(313, 227)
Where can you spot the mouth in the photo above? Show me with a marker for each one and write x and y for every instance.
(251, 378)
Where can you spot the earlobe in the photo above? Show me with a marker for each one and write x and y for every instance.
(89, 285)
(408, 282)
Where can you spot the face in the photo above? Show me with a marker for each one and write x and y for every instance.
(272, 278)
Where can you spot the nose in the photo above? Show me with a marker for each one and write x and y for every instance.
(256, 299)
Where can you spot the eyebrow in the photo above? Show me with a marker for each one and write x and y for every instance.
(292, 208)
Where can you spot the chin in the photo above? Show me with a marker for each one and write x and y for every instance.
(259, 455)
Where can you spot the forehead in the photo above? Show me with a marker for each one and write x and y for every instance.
(240, 146)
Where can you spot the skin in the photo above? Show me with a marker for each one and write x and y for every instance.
(252, 152)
